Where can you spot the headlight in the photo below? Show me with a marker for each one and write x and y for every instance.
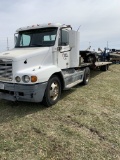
(26, 78)
(18, 79)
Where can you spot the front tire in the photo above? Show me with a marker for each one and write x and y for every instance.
(52, 92)
(86, 76)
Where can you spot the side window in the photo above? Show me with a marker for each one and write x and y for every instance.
(64, 38)
(25, 40)
(49, 38)
(46, 38)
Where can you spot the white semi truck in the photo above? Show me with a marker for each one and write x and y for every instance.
(44, 61)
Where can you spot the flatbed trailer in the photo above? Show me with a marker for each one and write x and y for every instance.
(115, 58)
(102, 65)
(99, 64)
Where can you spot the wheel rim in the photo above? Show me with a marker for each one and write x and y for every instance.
(54, 91)
(87, 77)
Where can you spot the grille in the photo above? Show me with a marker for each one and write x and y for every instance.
(5, 70)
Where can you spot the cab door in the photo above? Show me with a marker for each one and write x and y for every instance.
(64, 49)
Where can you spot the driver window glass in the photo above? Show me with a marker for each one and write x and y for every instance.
(64, 38)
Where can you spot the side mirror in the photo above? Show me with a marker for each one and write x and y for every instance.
(15, 38)
(74, 37)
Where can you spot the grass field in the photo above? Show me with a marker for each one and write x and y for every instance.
(83, 125)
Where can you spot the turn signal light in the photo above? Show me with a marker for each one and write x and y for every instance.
(33, 78)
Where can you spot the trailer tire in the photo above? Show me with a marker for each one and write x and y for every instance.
(104, 68)
(86, 76)
(52, 92)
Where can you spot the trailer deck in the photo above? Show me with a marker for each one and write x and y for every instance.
(98, 64)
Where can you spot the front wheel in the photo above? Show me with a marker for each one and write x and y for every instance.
(52, 92)
(86, 77)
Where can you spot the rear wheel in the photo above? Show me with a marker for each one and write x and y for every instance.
(53, 92)
(86, 76)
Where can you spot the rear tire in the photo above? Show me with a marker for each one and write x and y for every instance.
(86, 76)
(52, 92)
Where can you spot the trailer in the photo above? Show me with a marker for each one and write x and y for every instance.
(115, 58)
(112, 55)
(44, 61)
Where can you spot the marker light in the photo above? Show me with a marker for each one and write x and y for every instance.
(33, 78)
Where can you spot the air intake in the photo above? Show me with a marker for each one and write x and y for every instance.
(5, 70)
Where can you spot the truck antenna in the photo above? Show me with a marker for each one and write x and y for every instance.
(78, 28)
(7, 44)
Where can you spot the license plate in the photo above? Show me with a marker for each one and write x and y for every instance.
(1, 86)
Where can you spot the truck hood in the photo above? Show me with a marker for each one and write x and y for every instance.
(17, 54)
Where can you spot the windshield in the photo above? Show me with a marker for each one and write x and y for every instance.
(43, 37)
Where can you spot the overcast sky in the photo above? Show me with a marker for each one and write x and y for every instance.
(99, 19)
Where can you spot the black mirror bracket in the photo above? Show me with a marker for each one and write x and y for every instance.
(59, 48)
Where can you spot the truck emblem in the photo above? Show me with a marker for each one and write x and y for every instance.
(65, 55)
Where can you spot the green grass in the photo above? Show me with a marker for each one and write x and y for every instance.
(83, 125)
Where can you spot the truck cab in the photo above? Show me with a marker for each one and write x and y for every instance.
(44, 61)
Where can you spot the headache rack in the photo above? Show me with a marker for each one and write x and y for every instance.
(5, 70)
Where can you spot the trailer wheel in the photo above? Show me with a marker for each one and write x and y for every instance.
(52, 92)
(104, 68)
(86, 77)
